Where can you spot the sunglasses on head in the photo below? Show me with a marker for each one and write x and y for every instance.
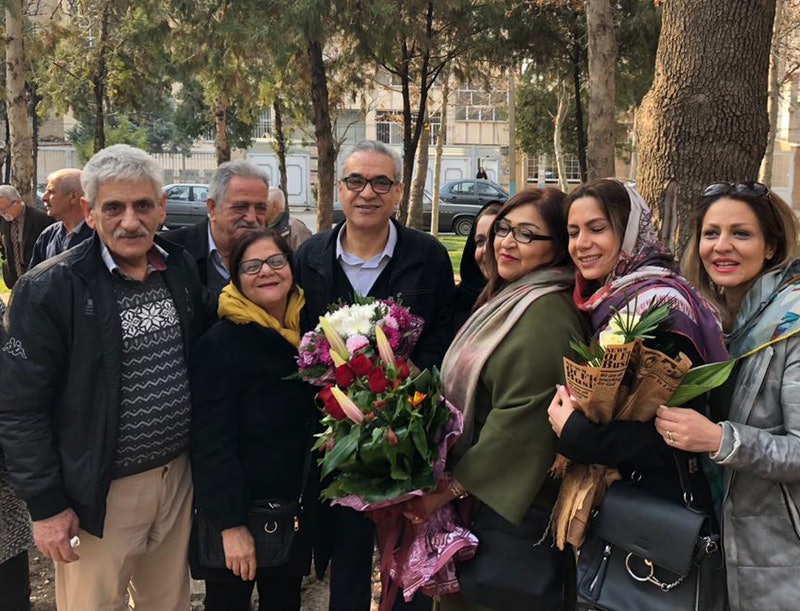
(751, 189)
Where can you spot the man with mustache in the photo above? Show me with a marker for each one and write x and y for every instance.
(95, 402)
(238, 200)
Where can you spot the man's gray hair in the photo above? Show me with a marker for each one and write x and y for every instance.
(69, 179)
(373, 146)
(221, 180)
(9, 192)
(276, 195)
(117, 163)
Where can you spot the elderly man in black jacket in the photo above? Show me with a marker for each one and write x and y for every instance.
(95, 403)
(372, 254)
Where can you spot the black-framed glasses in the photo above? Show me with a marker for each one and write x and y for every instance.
(748, 189)
(253, 266)
(380, 184)
(520, 234)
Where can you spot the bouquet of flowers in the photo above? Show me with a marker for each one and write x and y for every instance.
(386, 438)
(621, 378)
(355, 326)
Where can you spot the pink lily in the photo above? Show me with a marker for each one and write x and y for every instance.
(384, 348)
(348, 407)
(334, 339)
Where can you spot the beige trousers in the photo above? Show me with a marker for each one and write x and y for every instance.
(144, 548)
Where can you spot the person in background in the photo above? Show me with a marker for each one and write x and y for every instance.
(371, 254)
(473, 269)
(251, 427)
(481, 173)
(15, 539)
(622, 267)
(20, 226)
(293, 230)
(502, 381)
(62, 198)
(237, 204)
(95, 406)
(742, 256)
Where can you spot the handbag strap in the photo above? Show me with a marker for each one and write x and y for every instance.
(681, 463)
(306, 465)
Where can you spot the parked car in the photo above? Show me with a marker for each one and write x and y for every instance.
(453, 218)
(186, 204)
(472, 192)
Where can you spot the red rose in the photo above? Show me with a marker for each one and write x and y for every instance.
(360, 364)
(376, 380)
(344, 375)
(391, 437)
(402, 369)
(330, 403)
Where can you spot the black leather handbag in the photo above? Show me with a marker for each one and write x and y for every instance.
(514, 569)
(273, 524)
(645, 552)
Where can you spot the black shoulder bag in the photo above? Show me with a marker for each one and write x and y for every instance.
(273, 523)
(645, 552)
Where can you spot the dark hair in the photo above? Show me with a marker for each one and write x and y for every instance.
(613, 198)
(251, 238)
(777, 222)
(549, 203)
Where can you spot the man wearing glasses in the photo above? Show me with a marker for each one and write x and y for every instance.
(370, 253)
(20, 225)
(95, 407)
(238, 201)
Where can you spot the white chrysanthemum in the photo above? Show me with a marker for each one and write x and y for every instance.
(353, 319)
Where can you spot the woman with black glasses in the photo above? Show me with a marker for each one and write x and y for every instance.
(251, 428)
(742, 256)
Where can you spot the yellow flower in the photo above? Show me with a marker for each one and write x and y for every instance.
(610, 338)
(334, 339)
(417, 399)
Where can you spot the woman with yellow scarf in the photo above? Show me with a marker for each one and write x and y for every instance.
(251, 427)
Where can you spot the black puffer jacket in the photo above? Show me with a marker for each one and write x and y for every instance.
(60, 377)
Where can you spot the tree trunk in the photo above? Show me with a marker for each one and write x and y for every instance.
(773, 95)
(221, 144)
(437, 164)
(326, 148)
(561, 115)
(705, 117)
(99, 83)
(602, 89)
(20, 136)
(280, 147)
(415, 203)
(579, 122)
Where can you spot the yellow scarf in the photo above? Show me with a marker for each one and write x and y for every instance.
(239, 309)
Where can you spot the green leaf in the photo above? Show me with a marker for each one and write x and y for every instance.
(700, 380)
(345, 449)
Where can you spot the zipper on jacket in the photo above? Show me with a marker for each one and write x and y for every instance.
(791, 508)
(599, 576)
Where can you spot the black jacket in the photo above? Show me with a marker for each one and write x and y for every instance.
(419, 275)
(194, 239)
(35, 223)
(251, 428)
(60, 377)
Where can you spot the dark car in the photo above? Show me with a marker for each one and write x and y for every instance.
(472, 192)
(453, 218)
(186, 204)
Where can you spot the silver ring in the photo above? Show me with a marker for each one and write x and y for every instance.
(670, 438)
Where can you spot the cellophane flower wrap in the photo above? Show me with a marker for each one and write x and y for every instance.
(386, 436)
(624, 376)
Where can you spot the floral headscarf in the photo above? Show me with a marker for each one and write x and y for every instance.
(646, 271)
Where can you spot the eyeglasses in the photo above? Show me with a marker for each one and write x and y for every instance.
(380, 185)
(520, 234)
(748, 189)
(253, 266)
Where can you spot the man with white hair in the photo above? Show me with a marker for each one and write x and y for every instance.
(294, 231)
(95, 408)
(20, 225)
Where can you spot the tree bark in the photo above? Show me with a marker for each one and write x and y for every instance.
(602, 49)
(20, 132)
(99, 83)
(326, 148)
(561, 115)
(280, 147)
(415, 218)
(773, 94)
(580, 125)
(705, 117)
(221, 144)
(437, 164)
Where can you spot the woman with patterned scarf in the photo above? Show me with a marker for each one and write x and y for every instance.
(250, 426)
(622, 267)
(742, 256)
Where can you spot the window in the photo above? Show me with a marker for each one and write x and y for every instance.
(480, 105)
(389, 126)
(262, 127)
(571, 163)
